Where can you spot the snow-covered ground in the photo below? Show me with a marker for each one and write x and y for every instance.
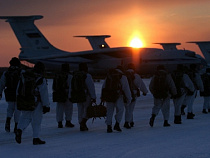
(188, 140)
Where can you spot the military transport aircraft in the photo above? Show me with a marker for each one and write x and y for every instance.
(35, 47)
(205, 49)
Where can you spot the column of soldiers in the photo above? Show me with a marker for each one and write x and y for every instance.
(182, 86)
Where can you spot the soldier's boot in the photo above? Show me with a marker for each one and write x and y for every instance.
(166, 124)
(18, 135)
(117, 127)
(190, 115)
(204, 111)
(69, 124)
(182, 109)
(7, 124)
(152, 119)
(126, 125)
(60, 124)
(109, 129)
(83, 126)
(177, 119)
(180, 118)
(15, 128)
(132, 124)
(37, 141)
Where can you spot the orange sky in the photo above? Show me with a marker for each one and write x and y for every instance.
(155, 21)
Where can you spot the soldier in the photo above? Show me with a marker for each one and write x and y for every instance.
(33, 101)
(198, 84)
(162, 87)
(82, 93)
(114, 87)
(61, 91)
(206, 94)
(8, 83)
(136, 85)
(184, 85)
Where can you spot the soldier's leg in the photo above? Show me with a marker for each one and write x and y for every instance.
(68, 110)
(37, 120)
(24, 121)
(119, 109)
(110, 110)
(132, 106)
(17, 114)
(10, 111)
(36, 125)
(155, 110)
(166, 111)
(190, 114)
(59, 114)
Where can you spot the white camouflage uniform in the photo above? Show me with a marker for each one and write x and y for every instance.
(66, 107)
(189, 100)
(119, 104)
(12, 106)
(35, 117)
(138, 82)
(178, 102)
(82, 107)
(163, 104)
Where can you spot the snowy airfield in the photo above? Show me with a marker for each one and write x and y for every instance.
(191, 139)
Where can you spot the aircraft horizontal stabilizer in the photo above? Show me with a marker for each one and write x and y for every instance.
(97, 41)
(197, 42)
(21, 18)
(169, 46)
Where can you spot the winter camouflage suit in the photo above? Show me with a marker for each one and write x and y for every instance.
(139, 85)
(119, 104)
(163, 104)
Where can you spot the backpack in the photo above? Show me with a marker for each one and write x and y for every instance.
(113, 87)
(206, 83)
(130, 76)
(192, 76)
(60, 88)
(78, 87)
(161, 87)
(28, 96)
(178, 80)
(12, 78)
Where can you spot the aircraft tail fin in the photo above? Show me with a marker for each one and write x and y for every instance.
(97, 42)
(169, 46)
(205, 49)
(29, 36)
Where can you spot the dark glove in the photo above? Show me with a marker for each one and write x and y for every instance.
(45, 109)
(0, 96)
(133, 100)
(138, 93)
(93, 100)
(144, 94)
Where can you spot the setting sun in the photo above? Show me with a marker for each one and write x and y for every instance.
(136, 43)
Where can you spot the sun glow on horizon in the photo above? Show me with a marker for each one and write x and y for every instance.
(136, 43)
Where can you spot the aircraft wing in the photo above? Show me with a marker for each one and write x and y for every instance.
(91, 55)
